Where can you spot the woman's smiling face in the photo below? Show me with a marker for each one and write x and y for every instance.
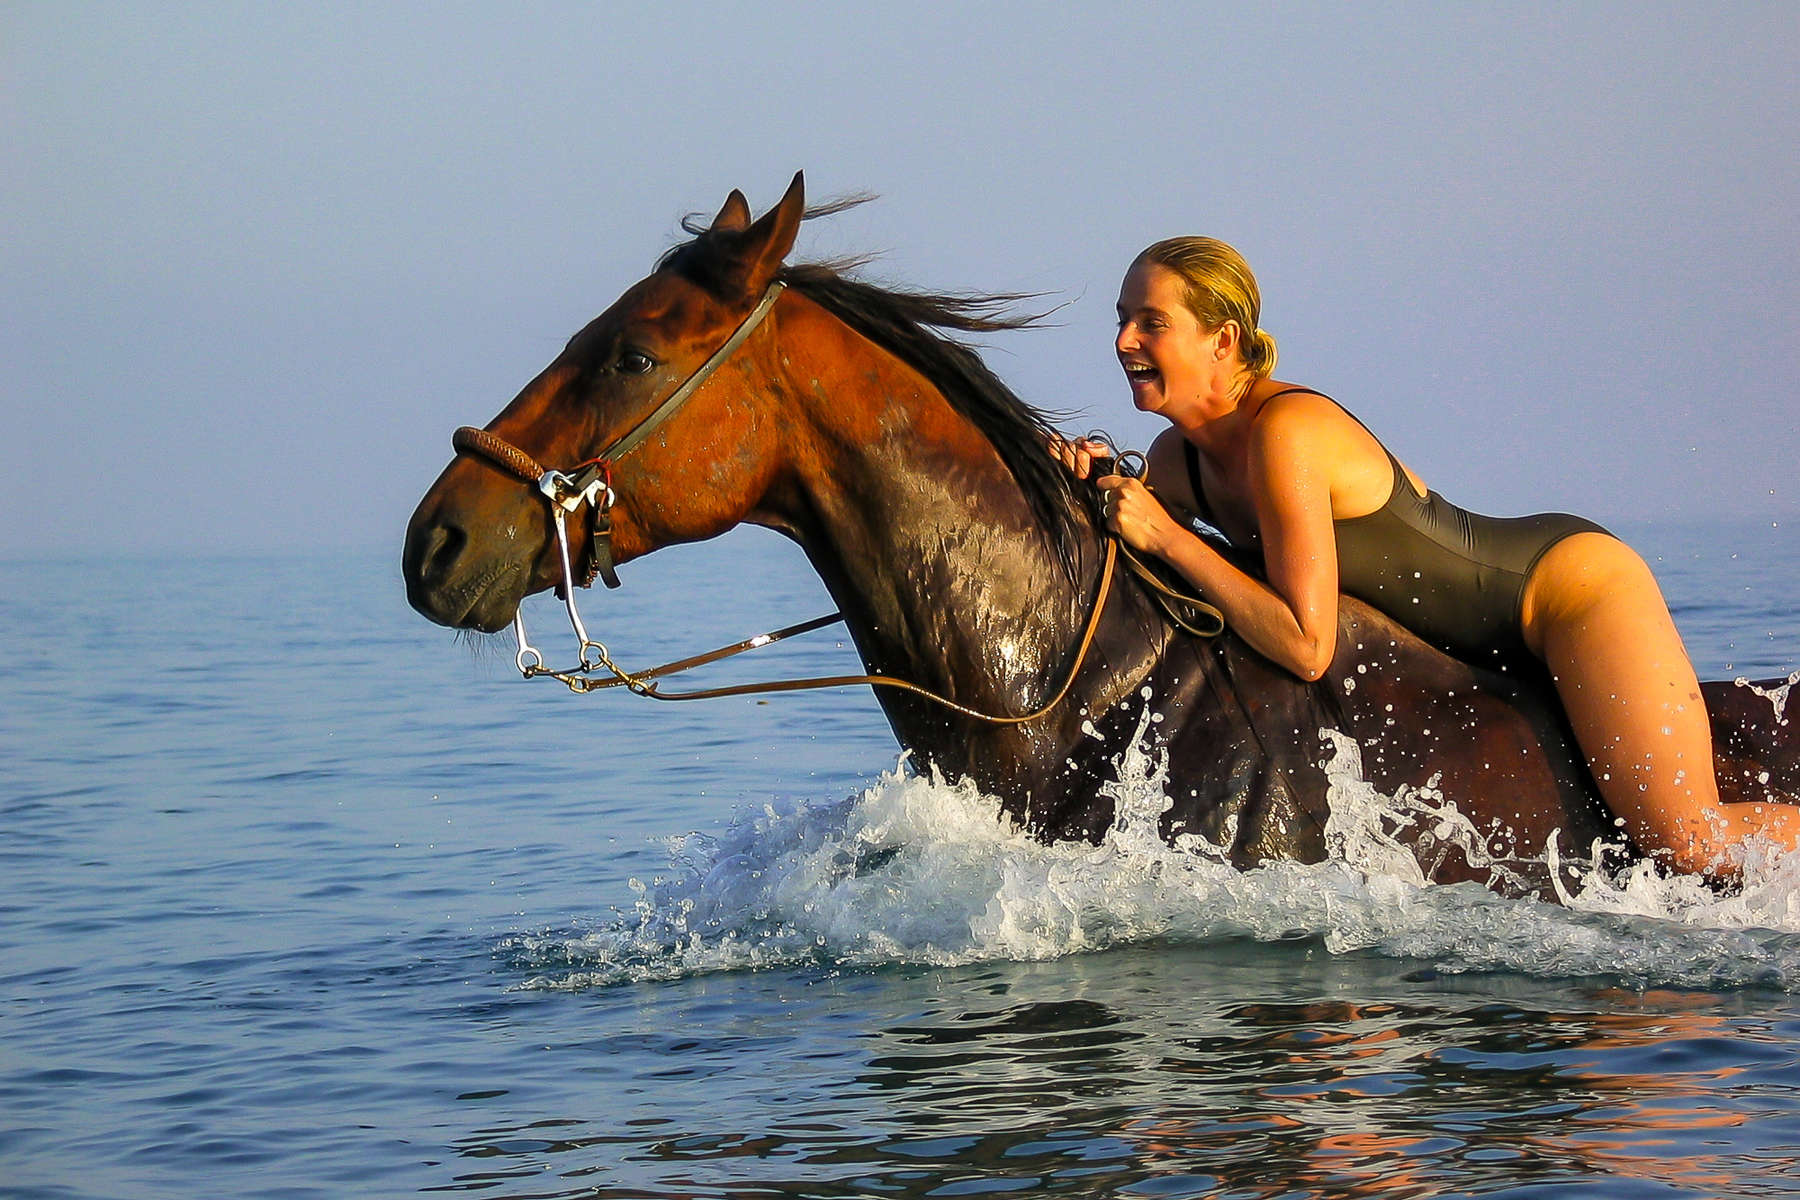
(1169, 360)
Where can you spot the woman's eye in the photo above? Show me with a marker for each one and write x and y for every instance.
(633, 363)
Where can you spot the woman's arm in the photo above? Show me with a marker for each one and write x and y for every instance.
(1292, 618)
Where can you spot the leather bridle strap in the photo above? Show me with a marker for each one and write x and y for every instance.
(662, 412)
(568, 490)
(515, 461)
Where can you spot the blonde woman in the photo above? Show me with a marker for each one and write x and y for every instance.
(1284, 470)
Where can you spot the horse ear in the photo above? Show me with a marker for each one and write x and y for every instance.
(735, 216)
(766, 243)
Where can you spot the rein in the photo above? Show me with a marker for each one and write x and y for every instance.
(591, 483)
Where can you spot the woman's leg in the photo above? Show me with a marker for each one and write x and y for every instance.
(1594, 614)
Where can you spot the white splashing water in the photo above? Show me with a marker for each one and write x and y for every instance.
(917, 870)
(1776, 696)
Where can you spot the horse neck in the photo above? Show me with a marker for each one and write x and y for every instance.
(919, 530)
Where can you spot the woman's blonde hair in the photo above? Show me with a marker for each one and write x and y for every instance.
(1217, 287)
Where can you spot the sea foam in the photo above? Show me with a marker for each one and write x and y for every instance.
(915, 869)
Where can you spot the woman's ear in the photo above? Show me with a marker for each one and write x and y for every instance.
(1227, 339)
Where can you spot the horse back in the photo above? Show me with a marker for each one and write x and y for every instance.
(1756, 745)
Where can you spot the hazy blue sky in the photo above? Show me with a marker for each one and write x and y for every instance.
(258, 260)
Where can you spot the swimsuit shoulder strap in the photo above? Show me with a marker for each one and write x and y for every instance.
(1303, 391)
(1190, 453)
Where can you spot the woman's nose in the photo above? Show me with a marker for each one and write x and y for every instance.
(1126, 340)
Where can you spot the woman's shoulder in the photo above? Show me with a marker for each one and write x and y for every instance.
(1167, 467)
(1299, 429)
(1165, 444)
(1292, 413)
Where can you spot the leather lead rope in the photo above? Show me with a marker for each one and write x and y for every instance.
(637, 684)
(1187, 612)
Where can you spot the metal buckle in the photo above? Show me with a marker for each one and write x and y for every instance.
(569, 495)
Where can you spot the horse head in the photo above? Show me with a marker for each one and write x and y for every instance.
(484, 536)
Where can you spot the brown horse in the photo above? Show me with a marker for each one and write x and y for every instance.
(964, 560)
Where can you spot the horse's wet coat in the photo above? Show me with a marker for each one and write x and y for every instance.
(963, 560)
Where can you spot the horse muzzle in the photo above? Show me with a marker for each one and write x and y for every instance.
(456, 580)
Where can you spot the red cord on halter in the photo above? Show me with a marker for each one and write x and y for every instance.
(604, 464)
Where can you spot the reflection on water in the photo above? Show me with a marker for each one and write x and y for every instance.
(300, 901)
(1147, 1072)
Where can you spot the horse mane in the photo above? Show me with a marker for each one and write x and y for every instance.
(909, 325)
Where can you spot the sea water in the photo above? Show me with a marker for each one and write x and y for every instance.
(301, 896)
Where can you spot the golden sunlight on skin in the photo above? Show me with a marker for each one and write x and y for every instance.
(1285, 465)
(1594, 613)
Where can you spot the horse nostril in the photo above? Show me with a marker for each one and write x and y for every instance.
(429, 557)
(443, 546)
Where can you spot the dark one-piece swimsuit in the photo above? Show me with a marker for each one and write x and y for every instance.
(1455, 578)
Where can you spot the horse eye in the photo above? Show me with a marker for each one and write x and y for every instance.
(634, 363)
